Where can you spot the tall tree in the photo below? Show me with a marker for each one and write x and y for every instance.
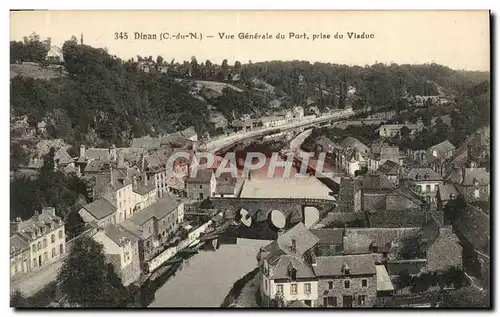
(84, 276)
(17, 299)
(159, 60)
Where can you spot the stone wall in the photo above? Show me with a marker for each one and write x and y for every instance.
(355, 287)
(401, 218)
(374, 202)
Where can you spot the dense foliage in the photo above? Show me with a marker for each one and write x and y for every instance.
(66, 193)
(31, 49)
(105, 100)
(86, 279)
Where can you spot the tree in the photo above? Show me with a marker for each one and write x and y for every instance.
(206, 204)
(237, 66)
(454, 210)
(74, 225)
(412, 248)
(194, 66)
(159, 60)
(17, 299)
(85, 276)
(405, 132)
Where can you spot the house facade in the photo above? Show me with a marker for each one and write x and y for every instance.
(37, 242)
(425, 182)
(121, 249)
(201, 186)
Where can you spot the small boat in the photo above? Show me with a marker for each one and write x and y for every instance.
(165, 271)
(175, 259)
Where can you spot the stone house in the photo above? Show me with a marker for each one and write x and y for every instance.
(200, 186)
(37, 242)
(394, 130)
(350, 195)
(446, 192)
(218, 121)
(437, 156)
(121, 248)
(346, 280)
(350, 156)
(101, 212)
(224, 186)
(380, 153)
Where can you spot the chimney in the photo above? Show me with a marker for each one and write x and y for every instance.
(313, 260)
(82, 150)
(49, 211)
(78, 171)
(145, 179)
(112, 153)
(134, 181)
(293, 248)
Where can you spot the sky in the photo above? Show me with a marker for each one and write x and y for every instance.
(458, 39)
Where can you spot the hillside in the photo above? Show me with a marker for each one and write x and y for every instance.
(35, 71)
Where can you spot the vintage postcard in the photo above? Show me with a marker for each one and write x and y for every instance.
(253, 159)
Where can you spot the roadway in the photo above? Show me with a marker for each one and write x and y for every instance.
(216, 145)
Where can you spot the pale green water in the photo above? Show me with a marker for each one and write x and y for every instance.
(205, 279)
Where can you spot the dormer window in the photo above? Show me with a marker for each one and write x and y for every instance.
(346, 269)
(475, 182)
(417, 177)
(292, 272)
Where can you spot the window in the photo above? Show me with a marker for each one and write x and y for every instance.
(364, 283)
(427, 188)
(34, 262)
(330, 285)
(476, 193)
(53, 252)
(60, 234)
(201, 186)
(347, 284)
(279, 287)
(33, 247)
(266, 285)
(293, 288)
(39, 245)
(361, 299)
(307, 288)
(61, 249)
(53, 238)
(45, 256)
(44, 243)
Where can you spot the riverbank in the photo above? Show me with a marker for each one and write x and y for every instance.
(244, 292)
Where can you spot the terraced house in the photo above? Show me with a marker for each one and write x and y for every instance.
(37, 242)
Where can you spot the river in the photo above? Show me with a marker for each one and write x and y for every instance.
(205, 279)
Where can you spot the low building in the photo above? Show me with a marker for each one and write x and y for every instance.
(380, 153)
(394, 130)
(351, 155)
(225, 186)
(218, 121)
(121, 248)
(273, 121)
(200, 186)
(37, 242)
(101, 212)
(346, 280)
(144, 192)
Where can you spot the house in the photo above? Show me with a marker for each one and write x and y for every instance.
(425, 182)
(156, 223)
(394, 130)
(325, 145)
(156, 171)
(351, 155)
(144, 192)
(37, 242)
(438, 155)
(225, 185)
(391, 170)
(101, 212)
(303, 268)
(380, 153)
(284, 274)
(199, 186)
(471, 182)
(121, 248)
(119, 199)
(218, 121)
(374, 190)
(346, 280)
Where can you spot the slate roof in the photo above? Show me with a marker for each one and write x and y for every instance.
(142, 189)
(446, 190)
(478, 173)
(119, 234)
(329, 236)
(285, 262)
(120, 180)
(389, 168)
(442, 148)
(18, 244)
(354, 143)
(376, 183)
(327, 144)
(359, 241)
(96, 166)
(422, 171)
(202, 177)
(159, 210)
(63, 157)
(100, 208)
(332, 265)
(145, 142)
(97, 154)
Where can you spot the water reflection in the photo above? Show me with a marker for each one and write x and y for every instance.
(205, 279)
